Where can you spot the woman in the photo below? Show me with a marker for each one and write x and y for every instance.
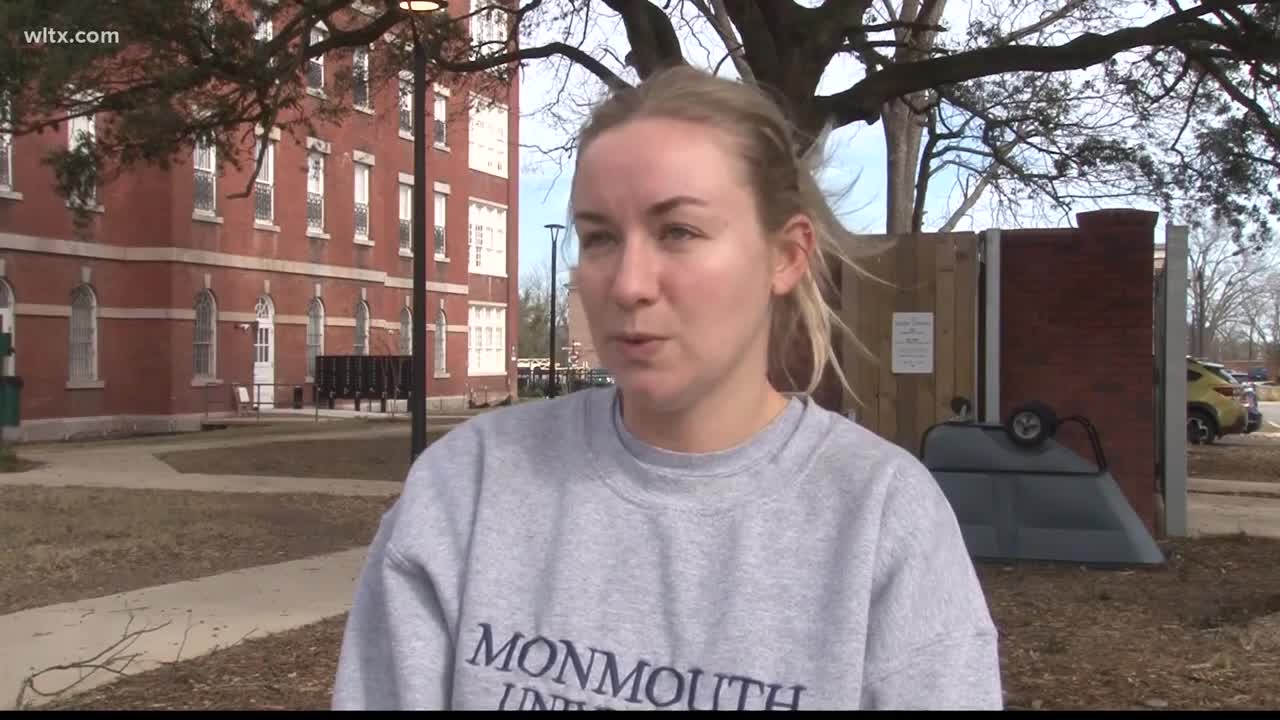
(692, 539)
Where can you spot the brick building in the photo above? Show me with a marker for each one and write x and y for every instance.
(174, 293)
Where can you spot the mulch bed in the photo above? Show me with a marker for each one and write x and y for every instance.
(1202, 632)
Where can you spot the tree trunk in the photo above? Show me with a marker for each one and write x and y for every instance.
(902, 135)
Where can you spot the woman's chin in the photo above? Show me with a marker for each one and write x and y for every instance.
(652, 390)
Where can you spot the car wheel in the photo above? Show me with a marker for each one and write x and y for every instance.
(1031, 424)
(1201, 429)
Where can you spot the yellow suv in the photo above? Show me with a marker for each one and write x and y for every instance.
(1215, 402)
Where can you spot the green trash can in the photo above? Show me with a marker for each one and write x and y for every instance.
(10, 400)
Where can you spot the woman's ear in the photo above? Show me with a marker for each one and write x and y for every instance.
(796, 243)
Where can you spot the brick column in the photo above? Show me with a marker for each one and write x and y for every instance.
(1077, 334)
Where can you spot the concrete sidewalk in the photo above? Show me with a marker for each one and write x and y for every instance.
(212, 612)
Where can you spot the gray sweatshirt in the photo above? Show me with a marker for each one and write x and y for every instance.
(541, 556)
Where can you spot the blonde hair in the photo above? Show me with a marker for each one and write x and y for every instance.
(783, 183)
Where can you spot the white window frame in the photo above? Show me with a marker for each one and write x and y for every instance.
(440, 210)
(361, 182)
(9, 323)
(487, 150)
(210, 166)
(263, 27)
(486, 338)
(406, 108)
(315, 159)
(79, 129)
(405, 195)
(315, 332)
(6, 143)
(86, 370)
(205, 336)
(267, 178)
(442, 344)
(486, 238)
(360, 58)
(319, 33)
(440, 113)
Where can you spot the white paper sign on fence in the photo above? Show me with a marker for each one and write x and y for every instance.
(913, 343)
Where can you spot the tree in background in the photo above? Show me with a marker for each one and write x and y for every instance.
(1175, 102)
(1226, 286)
(535, 309)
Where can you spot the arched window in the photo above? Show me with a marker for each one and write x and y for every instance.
(84, 335)
(406, 332)
(362, 328)
(7, 318)
(315, 334)
(204, 348)
(441, 344)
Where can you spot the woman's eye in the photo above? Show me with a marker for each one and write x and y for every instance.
(677, 233)
(595, 238)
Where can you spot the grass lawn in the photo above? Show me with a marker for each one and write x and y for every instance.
(70, 543)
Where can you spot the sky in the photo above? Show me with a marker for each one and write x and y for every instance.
(854, 175)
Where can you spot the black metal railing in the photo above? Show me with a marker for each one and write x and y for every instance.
(361, 89)
(362, 219)
(263, 202)
(204, 200)
(315, 210)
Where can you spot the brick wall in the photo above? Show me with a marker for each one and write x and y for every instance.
(1076, 309)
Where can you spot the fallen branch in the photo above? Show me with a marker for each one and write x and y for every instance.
(113, 653)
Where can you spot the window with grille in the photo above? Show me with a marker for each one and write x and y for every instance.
(441, 112)
(6, 147)
(487, 238)
(83, 366)
(441, 205)
(315, 334)
(82, 131)
(362, 201)
(263, 30)
(6, 161)
(487, 137)
(360, 78)
(406, 332)
(206, 177)
(487, 337)
(362, 328)
(315, 191)
(406, 219)
(204, 353)
(315, 65)
(406, 105)
(264, 186)
(441, 343)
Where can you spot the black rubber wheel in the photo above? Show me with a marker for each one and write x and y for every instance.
(1030, 424)
(1201, 427)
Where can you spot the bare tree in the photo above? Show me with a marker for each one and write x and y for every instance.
(1223, 278)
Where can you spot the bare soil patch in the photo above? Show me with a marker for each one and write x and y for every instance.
(1251, 458)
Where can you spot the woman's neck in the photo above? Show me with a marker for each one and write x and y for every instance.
(717, 421)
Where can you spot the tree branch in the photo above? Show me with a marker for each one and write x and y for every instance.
(862, 102)
(719, 18)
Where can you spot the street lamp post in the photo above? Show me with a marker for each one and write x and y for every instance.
(418, 396)
(555, 229)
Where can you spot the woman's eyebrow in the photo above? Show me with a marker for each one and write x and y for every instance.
(662, 207)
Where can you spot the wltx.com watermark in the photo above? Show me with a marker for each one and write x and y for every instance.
(54, 36)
